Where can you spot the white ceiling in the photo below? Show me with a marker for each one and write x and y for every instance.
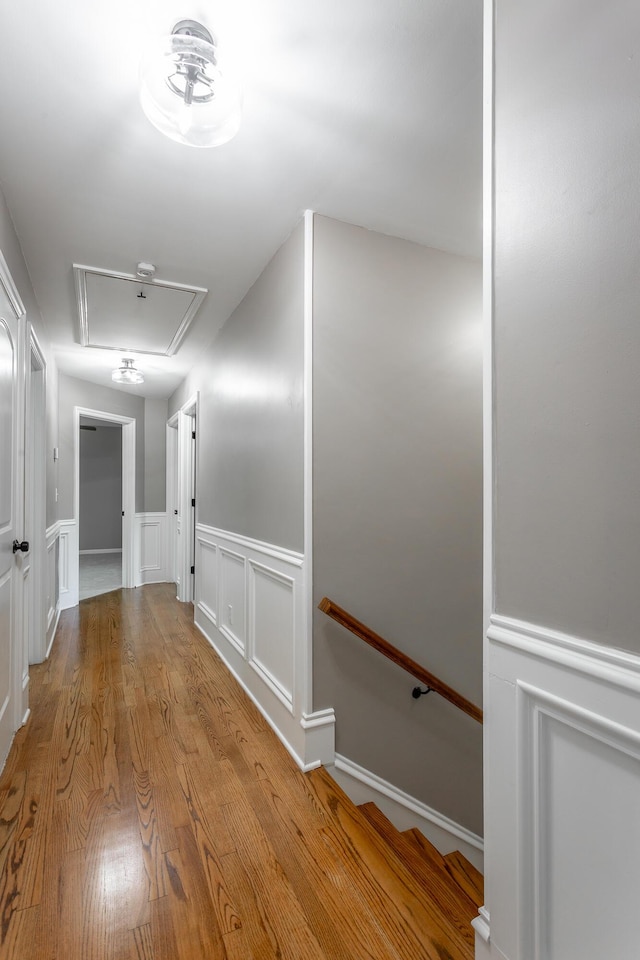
(368, 111)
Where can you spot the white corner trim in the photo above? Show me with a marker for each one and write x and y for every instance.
(321, 718)
(580, 655)
(427, 815)
(306, 651)
(481, 924)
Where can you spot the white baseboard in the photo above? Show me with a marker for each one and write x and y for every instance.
(404, 811)
(481, 925)
(106, 550)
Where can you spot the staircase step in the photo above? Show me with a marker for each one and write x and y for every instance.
(466, 876)
(430, 870)
(415, 924)
(425, 848)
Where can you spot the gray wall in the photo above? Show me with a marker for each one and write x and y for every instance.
(101, 488)
(10, 247)
(155, 454)
(398, 505)
(250, 430)
(80, 393)
(567, 335)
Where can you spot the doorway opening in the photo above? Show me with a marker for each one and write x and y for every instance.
(181, 498)
(100, 507)
(104, 494)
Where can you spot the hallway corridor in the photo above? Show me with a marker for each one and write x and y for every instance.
(147, 812)
(126, 799)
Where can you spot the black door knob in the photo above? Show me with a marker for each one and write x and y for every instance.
(21, 545)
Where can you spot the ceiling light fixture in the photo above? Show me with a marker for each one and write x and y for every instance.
(127, 373)
(146, 271)
(184, 90)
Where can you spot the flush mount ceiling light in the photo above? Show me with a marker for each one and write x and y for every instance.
(146, 271)
(186, 92)
(127, 373)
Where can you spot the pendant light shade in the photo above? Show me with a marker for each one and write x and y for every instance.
(127, 373)
(186, 92)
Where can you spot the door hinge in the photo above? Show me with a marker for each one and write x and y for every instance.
(193, 434)
(123, 513)
(193, 569)
(193, 501)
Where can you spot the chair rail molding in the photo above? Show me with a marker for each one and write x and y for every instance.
(249, 604)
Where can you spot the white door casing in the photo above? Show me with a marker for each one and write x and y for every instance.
(185, 520)
(172, 500)
(128, 489)
(35, 501)
(13, 704)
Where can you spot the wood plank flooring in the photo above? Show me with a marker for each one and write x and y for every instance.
(147, 812)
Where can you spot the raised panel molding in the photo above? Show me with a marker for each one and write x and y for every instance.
(562, 769)
(207, 580)
(150, 547)
(250, 602)
(51, 584)
(233, 598)
(272, 629)
(68, 586)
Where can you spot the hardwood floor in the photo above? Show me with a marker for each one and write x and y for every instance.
(147, 812)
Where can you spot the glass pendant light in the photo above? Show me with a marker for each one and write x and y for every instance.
(127, 373)
(184, 90)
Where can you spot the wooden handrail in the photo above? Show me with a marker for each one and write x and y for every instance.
(397, 656)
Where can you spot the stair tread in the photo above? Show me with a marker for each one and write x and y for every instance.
(415, 923)
(425, 848)
(466, 876)
(431, 872)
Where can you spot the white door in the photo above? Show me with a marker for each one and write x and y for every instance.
(11, 481)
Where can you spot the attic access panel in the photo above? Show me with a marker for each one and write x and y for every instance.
(114, 316)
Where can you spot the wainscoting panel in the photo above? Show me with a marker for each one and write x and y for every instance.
(150, 548)
(249, 604)
(563, 774)
(53, 601)
(207, 578)
(68, 563)
(272, 629)
(233, 598)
